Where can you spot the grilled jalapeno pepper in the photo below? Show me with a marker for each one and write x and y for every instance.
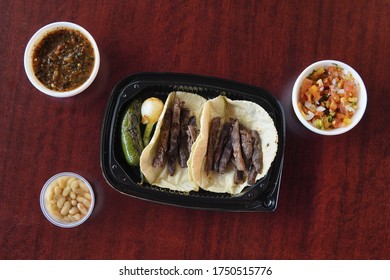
(131, 138)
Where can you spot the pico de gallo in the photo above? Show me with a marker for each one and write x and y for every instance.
(328, 97)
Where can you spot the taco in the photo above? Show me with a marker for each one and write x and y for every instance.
(236, 146)
(163, 162)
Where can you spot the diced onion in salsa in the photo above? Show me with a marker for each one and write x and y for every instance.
(328, 97)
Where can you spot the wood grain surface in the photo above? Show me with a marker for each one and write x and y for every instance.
(334, 196)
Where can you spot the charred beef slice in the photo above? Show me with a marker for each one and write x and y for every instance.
(223, 139)
(214, 128)
(183, 146)
(162, 148)
(257, 157)
(236, 143)
(226, 155)
(174, 137)
(247, 146)
(191, 133)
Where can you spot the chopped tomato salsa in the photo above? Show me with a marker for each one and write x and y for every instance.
(328, 97)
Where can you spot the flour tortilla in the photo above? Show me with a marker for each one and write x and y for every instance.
(160, 176)
(253, 117)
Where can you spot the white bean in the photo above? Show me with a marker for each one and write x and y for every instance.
(77, 216)
(66, 191)
(65, 209)
(73, 210)
(84, 186)
(57, 190)
(82, 208)
(53, 206)
(57, 214)
(79, 191)
(75, 185)
(84, 201)
(60, 202)
(70, 181)
(62, 181)
(71, 218)
(50, 193)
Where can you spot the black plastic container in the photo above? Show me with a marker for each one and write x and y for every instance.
(262, 196)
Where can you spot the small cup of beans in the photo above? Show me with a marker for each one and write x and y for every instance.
(67, 200)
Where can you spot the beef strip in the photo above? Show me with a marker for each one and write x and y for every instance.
(236, 143)
(252, 175)
(174, 138)
(221, 144)
(214, 127)
(257, 156)
(183, 147)
(247, 146)
(191, 133)
(226, 155)
(162, 148)
(239, 177)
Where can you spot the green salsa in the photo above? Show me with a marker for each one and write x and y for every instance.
(63, 60)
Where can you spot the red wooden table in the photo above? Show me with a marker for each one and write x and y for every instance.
(334, 196)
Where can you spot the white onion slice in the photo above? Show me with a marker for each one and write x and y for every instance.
(349, 108)
(341, 91)
(309, 116)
